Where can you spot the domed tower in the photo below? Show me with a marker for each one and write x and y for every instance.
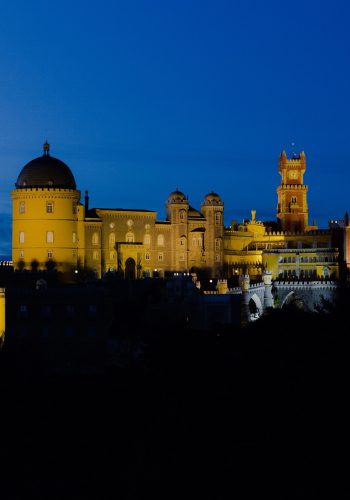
(213, 210)
(45, 206)
(177, 207)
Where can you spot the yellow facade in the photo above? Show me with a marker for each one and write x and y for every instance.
(50, 225)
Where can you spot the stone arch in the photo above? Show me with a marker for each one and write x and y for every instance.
(255, 307)
(293, 300)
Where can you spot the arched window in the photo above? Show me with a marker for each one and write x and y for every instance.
(49, 207)
(147, 239)
(160, 240)
(94, 239)
(217, 217)
(49, 237)
(182, 241)
(95, 255)
(217, 244)
(147, 256)
(111, 256)
(112, 240)
(21, 237)
(130, 237)
(74, 237)
(182, 215)
(22, 207)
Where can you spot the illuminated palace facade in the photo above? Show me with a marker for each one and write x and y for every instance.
(51, 226)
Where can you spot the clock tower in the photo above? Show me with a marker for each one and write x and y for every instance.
(292, 208)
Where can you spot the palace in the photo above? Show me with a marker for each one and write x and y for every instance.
(52, 228)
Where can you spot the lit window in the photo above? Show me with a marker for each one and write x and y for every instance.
(130, 237)
(74, 237)
(95, 255)
(160, 240)
(49, 237)
(21, 237)
(94, 239)
(147, 256)
(22, 207)
(160, 257)
(112, 239)
(49, 207)
(50, 254)
(147, 239)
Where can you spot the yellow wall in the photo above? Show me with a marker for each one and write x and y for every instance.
(35, 223)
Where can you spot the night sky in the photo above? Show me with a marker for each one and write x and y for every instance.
(141, 97)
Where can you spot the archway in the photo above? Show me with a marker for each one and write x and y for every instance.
(293, 301)
(130, 269)
(255, 307)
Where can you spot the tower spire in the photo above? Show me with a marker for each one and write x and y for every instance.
(46, 148)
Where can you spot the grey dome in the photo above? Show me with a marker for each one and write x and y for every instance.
(46, 171)
(177, 197)
(212, 199)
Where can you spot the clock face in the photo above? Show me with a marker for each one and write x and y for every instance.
(293, 174)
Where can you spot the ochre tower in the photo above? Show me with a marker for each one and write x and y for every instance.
(292, 208)
(46, 216)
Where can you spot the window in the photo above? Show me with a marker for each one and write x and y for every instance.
(49, 207)
(193, 242)
(182, 215)
(22, 207)
(49, 237)
(46, 311)
(147, 256)
(130, 237)
(69, 311)
(217, 244)
(160, 240)
(217, 257)
(74, 237)
(200, 242)
(50, 254)
(293, 199)
(95, 255)
(74, 207)
(147, 240)
(94, 239)
(21, 237)
(217, 217)
(92, 310)
(21, 254)
(112, 240)
(23, 311)
(182, 242)
(111, 256)
(160, 257)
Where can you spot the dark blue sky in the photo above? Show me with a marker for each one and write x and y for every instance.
(139, 97)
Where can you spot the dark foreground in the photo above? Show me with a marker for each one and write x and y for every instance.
(256, 413)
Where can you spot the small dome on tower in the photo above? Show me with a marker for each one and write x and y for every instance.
(212, 199)
(177, 197)
(46, 171)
